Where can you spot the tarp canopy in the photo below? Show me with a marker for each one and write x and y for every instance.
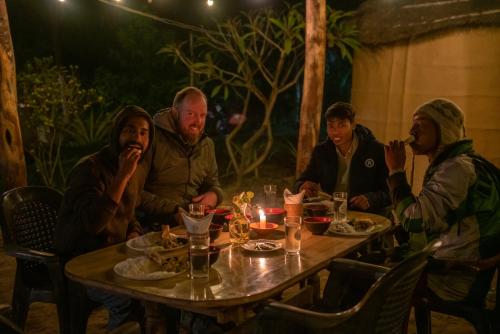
(390, 82)
(383, 22)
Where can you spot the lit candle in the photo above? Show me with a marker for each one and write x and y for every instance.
(262, 218)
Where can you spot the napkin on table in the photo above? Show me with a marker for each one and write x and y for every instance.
(293, 203)
(291, 198)
(194, 225)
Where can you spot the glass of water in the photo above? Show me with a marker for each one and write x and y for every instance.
(340, 206)
(198, 255)
(197, 210)
(270, 195)
(293, 225)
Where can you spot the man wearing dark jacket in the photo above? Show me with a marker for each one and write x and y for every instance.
(350, 160)
(183, 164)
(102, 193)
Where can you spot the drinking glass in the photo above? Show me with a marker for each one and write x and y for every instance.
(293, 227)
(270, 195)
(197, 210)
(198, 255)
(340, 206)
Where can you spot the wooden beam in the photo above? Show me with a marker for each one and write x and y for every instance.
(12, 164)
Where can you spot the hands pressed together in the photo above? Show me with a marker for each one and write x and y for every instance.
(395, 155)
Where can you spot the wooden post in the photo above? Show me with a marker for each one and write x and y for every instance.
(12, 164)
(314, 79)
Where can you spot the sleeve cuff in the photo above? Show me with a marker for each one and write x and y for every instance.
(395, 171)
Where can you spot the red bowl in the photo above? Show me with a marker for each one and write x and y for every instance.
(275, 215)
(263, 231)
(213, 254)
(316, 210)
(317, 225)
(219, 215)
(214, 231)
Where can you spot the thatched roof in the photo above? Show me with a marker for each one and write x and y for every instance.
(389, 21)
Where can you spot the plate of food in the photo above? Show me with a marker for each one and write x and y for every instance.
(151, 267)
(159, 241)
(262, 246)
(358, 227)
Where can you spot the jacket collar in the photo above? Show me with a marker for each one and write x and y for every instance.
(165, 120)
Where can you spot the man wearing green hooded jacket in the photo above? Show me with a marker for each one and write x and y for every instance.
(183, 164)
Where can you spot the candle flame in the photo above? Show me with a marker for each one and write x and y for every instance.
(262, 218)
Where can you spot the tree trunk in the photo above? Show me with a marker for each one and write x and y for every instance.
(314, 79)
(12, 165)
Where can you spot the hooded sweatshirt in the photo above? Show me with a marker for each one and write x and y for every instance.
(89, 219)
(179, 171)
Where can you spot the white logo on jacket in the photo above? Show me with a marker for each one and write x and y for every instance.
(369, 163)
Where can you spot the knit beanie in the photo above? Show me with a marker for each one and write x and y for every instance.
(448, 116)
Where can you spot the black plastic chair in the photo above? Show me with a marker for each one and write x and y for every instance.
(6, 325)
(28, 220)
(485, 321)
(383, 309)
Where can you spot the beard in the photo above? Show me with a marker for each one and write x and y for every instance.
(190, 135)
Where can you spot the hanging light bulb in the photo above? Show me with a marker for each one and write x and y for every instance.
(210, 3)
(61, 0)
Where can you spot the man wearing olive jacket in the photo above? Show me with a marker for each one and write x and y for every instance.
(183, 164)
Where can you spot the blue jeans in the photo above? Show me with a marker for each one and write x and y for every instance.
(119, 307)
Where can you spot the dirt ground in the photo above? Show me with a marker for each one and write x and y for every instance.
(42, 318)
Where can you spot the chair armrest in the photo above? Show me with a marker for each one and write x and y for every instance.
(31, 254)
(356, 268)
(306, 318)
(4, 308)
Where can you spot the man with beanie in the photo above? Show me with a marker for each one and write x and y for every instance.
(459, 203)
(350, 160)
(103, 190)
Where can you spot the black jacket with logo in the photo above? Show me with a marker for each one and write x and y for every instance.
(367, 173)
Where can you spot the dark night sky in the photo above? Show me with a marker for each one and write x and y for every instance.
(84, 29)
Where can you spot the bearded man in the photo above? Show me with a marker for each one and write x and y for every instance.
(98, 208)
(183, 164)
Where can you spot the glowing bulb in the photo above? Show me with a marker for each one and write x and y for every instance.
(61, 0)
(210, 3)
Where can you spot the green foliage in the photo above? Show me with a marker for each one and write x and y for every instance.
(257, 55)
(342, 32)
(56, 112)
(134, 73)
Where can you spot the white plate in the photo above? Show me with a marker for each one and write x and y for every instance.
(142, 268)
(262, 246)
(378, 227)
(148, 242)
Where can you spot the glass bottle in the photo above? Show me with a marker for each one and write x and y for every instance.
(239, 225)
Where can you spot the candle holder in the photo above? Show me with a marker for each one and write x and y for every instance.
(263, 230)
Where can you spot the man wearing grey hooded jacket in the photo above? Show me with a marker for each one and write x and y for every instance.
(183, 167)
